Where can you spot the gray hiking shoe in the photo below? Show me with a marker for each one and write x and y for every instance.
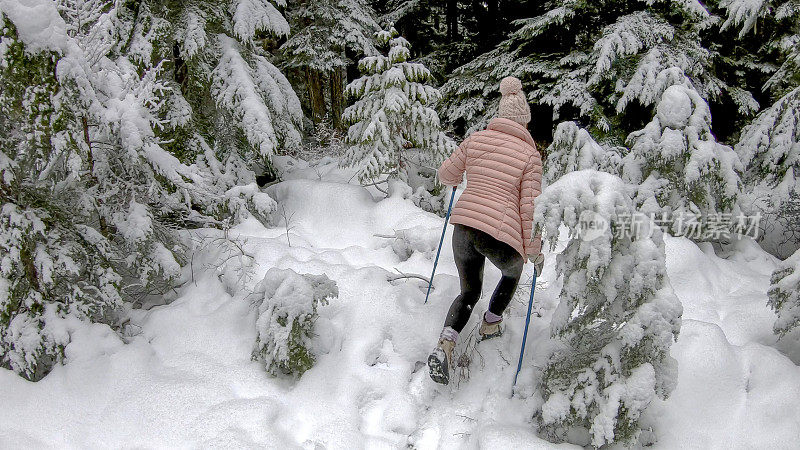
(490, 330)
(440, 361)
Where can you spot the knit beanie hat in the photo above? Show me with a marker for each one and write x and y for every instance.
(514, 104)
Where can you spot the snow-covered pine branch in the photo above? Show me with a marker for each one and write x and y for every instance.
(324, 30)
(253, 16)
(744, 14)
(628, 36)
(470, 93)
(784, 295)
(597, 70)
(573, 149)
(769, 146)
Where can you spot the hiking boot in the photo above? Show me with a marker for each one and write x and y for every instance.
(440, 361)
(490, 330)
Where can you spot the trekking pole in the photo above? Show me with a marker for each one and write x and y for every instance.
(441, 241)
(525, 333)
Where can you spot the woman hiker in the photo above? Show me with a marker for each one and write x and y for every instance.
(492, 219)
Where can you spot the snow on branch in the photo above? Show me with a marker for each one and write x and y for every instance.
(251, 16)
(628, 36)
(784, 295)
(770, 144)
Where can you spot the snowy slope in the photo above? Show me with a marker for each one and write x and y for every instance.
(187, 380)
(734, 389)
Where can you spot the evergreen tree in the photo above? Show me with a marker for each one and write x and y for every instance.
(52, 267)
(103, 159)
(768, 145)
(443, 35)
(213, 55)
(617, 316)
(324, 35)
(770, 148)
(393, 114)
(675, 162)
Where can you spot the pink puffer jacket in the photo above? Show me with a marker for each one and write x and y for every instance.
(504, 176)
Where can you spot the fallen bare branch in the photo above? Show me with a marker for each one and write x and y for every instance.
(402, 276)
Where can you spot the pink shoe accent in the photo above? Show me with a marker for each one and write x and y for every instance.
(449, 334)
(491, 317)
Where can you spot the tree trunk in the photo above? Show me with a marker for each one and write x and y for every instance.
(90, 159)
(452, 20)
(486, 12)
(316, 97)
(181, 70)
(337, 96)
(492, 23)
(481, 23)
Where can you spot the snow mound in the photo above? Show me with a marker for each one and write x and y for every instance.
(38, 23)
(728, 396)
(735, 390)
(675, 108)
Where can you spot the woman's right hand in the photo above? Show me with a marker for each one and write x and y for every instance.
(538, 263)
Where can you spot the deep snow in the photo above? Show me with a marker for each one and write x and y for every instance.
(187, 380)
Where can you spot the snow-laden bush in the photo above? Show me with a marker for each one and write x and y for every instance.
(784, 295)
(678, 161)
(573, 148)
(393, 113)
(617, 317)
(287, 305)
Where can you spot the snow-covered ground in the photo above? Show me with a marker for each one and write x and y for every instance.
(187, 378)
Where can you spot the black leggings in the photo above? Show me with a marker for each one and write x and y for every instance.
(471, 247)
